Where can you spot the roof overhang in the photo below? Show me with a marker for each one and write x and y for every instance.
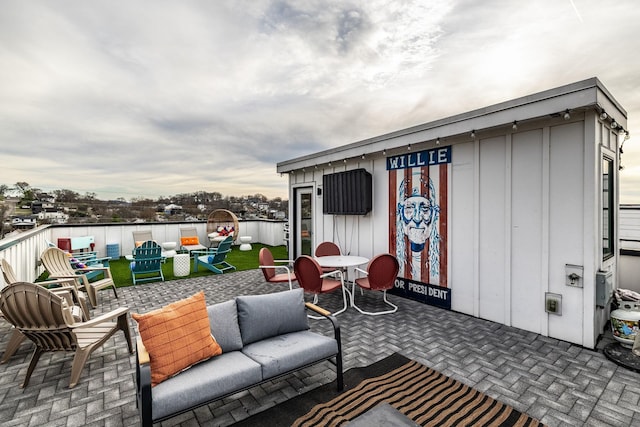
(583, 95)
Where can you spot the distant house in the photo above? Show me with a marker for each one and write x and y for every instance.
(172, 209)
(38, 206)
(53, 217)
(24, 222)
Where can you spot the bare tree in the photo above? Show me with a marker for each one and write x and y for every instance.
(3, 190)
(65, 196)
(3, 211)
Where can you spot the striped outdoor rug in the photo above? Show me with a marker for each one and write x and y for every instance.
(425, 396)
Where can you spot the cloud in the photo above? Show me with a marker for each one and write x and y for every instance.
(153, 98)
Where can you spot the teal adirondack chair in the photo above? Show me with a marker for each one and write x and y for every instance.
(214, 258)
(147, 260)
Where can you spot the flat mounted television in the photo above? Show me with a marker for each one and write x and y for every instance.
(347, 193)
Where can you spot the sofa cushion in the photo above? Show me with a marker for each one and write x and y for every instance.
(265, 316)
(177, 336)
(204, 382)
(223, 319)
(284, 353)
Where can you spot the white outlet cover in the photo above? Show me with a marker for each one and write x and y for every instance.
(553, 303)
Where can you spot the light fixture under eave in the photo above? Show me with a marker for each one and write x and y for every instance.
(438, 141)
(626, 135)
(614, 124)
(409, 147)
(344, 161)
(604, 115)
(514, 126)
(362, 157)
(566, 114)
(473, 134)
(384, 151)
(329, 163)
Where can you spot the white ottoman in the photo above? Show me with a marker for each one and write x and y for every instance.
(245, 243)
(181, 265)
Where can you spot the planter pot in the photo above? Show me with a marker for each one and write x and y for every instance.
(624, 326)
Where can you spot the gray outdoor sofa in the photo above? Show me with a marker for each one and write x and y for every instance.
(262, 337)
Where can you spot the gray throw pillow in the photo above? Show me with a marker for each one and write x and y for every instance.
(223, 319)
(265, 316)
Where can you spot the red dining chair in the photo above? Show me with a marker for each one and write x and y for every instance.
(314, 281)
(327, 249)
(269, 267)
(381, 275)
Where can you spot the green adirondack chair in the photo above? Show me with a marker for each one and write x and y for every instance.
(147, 262)
(214, 258)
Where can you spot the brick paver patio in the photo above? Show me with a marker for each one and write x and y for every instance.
(554, 381)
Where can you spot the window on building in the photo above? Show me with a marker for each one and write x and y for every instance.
(608, 211)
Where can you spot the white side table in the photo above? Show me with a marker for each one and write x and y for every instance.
(245, 243)
(181, 265)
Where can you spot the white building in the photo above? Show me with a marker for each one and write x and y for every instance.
(506, 213)
(172, 209)
(54, 217)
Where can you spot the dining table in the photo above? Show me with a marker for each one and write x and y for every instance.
(342, 263)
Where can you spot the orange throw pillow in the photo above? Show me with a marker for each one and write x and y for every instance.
(177, 336)
(187, 241)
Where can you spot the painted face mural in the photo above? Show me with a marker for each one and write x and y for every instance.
(417, 216)
(419, 184)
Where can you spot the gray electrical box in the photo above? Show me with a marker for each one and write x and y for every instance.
(604, 287)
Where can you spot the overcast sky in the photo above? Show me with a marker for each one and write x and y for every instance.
(154, 98)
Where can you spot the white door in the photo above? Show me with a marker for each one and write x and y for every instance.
(303, 221)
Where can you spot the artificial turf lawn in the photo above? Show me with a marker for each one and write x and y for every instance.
(241, 260)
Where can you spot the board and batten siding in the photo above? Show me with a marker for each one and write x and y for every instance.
(516, 221)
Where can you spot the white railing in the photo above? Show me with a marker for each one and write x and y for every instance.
(23, 251)
(629, 227)
(629, 266)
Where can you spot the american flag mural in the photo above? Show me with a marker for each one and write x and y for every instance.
(418, 205)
